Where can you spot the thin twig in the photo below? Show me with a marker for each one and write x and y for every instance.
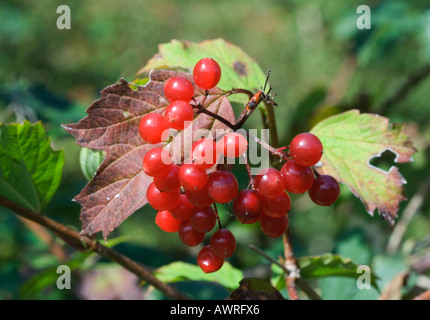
(202, 109)
(291, 265)
(307, 289)
(87, 243)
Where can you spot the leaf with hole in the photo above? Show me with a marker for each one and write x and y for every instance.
(350, 141)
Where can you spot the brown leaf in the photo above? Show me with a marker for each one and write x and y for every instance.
(119, 186)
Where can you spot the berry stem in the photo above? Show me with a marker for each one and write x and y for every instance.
(217, 216)
(201, 109)
(271, 149)
(248, 169)
(315, 172)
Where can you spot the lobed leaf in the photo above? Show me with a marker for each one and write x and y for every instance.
(326, 265)
(350, 141)
(238, 69)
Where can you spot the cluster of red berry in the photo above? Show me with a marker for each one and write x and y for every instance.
(184, 194)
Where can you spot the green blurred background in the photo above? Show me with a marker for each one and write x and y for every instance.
(321, 65)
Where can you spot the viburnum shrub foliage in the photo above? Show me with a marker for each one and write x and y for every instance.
(170, 140)
(155, 153)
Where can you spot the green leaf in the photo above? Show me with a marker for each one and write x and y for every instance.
(326, 265)
(30, 171)
(90, 160)
(228, 276)
(350, 141)
(238, 69)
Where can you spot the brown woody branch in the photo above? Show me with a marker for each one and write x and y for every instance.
(85, 243)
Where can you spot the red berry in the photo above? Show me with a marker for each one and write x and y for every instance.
(192, 177)
(169, 180)
(207, 73)
(223, 243)
(182, 211)
(233, 145)
(166, 222)
(324, 191)
(277, 207)
(246, 206)
(208, 261)
(162, 200)
(153, 128)
(306, 149)
(188, 235)
(269, 183)
(178, 88)
(222, 186)
(203, 219)
(156, 162)
(199, 198)
(205, 153)
(298, 179)
(179, 114)
(273, 227)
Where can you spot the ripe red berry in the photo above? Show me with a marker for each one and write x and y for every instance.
(179, 114)
(246, 206)
(169, 180)
(153, 128)
(205, 153)
(182, 211)
(222, 186)
(306, 149)
(178, 88)
(277, 207)
(162, 200)
(269, 183)
(208, 261)
(203, 219)
(156, 162)
(188, 235)
(192, 177)
(298, 179)
(233, 145)
(273, 227)
(324, 191)
(223, 243)
(199, 198)
(207, 73)
(166, 222)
